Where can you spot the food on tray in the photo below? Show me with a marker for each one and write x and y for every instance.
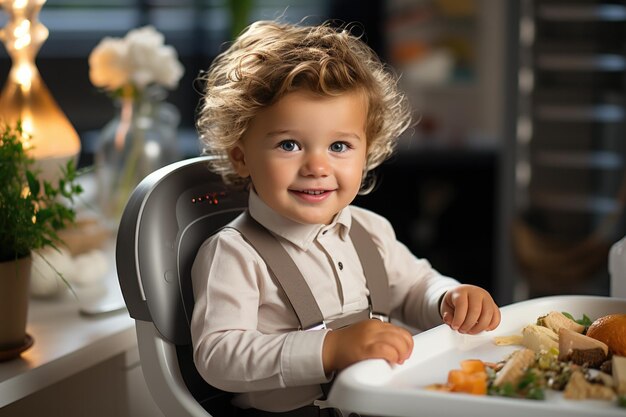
(471, 378)
(514, 339)
(544, 335)
(618, 367)
(578, 388)
(556, 321)
(539, 338)
(610, 329)
(581, 349)
(558, 353)
(515, 367)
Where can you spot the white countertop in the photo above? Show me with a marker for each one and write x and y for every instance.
(66, 341)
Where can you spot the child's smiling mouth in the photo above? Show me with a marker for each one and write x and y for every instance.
(312, 192)
(312, 195)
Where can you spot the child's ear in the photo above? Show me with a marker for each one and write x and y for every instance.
(238, 159)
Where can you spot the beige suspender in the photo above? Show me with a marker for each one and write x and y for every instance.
(373, 267)
(281, 265)
(289, 277)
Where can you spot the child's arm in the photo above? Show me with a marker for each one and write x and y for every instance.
(370, 339)
(416, 289)
(469, 309)
(235, 349)
(466, 308)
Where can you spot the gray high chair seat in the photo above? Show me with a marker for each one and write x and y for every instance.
(168, 216)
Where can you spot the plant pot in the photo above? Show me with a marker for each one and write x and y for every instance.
(14, 282)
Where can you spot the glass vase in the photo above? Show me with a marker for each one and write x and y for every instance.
(141, 137)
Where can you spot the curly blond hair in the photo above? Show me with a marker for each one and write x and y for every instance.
(271, 59)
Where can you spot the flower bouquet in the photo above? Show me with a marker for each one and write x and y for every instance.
(135, 71)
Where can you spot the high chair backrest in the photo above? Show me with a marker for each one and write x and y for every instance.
(168, 216)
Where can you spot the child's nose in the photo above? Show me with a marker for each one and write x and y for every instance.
(316, 164)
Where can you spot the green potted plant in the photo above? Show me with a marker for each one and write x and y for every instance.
(32, 212)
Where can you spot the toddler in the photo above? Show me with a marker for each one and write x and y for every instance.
(300, 116)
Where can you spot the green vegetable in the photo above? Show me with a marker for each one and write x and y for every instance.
(585, 321)
(536, 393)
(529, 387)
(505, 390)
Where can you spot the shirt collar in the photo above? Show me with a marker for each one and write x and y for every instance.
(301, 235)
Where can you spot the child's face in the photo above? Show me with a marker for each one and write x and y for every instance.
(305, 154)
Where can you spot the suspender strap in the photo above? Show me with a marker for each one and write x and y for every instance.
(373, 267)
(282, 268)
(285, 272)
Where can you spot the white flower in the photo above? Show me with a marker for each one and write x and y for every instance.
(107, 64)
(147, 36)
(167, 69)
(139, 59)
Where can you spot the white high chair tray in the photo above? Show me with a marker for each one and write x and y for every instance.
(374, 388)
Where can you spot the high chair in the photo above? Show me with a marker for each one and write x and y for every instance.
(168, 216)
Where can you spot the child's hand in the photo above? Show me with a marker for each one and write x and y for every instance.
(369, 339)
(469, 309)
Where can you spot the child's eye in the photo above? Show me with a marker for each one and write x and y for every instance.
(289, 145)
(339, 147)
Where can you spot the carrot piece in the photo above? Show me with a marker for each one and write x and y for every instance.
(470, 383)
(473, 365)
(456, 377)
(478, 383)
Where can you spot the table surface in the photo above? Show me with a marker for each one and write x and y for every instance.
(66, 340)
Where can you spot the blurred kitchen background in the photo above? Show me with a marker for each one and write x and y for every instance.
(513, 179)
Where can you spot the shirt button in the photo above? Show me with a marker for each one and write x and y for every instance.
(340, 264)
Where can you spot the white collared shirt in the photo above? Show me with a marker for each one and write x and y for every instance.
(244, 332)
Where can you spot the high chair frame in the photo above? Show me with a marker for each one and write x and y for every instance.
(168, 216)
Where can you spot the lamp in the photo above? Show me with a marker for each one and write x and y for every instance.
(48, 135)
